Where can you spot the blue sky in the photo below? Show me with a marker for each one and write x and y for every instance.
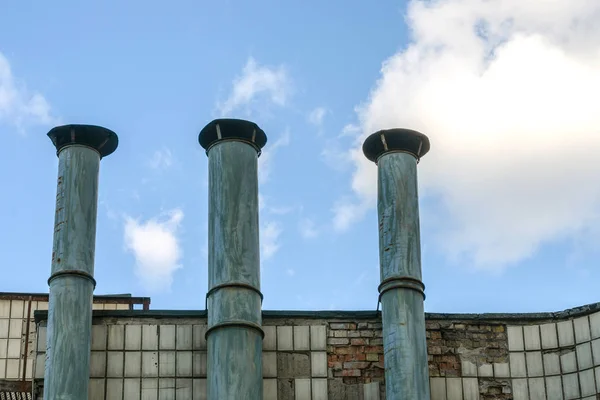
(509, 199)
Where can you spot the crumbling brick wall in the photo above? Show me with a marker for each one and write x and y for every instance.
(339, 355)
(354, 357)
(468, 349)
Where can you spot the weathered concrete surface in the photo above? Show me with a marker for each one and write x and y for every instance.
(234, 351)
(293, 365)
(403, 315)
(70, 305)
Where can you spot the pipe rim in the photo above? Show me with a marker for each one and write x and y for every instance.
(101, 139)
(229, 128)
(398, 139)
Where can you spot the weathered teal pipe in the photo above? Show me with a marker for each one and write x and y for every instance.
(79, 149)
(401, 292)
(234, 335)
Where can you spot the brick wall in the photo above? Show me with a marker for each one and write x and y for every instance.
(354, 357)
(339, 355)
(467, 350)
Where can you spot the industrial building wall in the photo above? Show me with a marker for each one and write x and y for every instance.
(13, 337)
(317, 356)
(18, 336)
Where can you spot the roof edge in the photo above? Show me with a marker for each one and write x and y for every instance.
(42, 315)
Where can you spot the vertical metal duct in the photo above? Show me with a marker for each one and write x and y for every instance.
(401, 292)
(79, 149)
(234, 335)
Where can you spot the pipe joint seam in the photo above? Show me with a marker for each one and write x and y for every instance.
(72, 272)
(242, 285)
(235, 323)
(400, 282)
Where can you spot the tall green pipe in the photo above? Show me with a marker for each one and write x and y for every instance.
(401, 292)
(79, 149)
(234, 335)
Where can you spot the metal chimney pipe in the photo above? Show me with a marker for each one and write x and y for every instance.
(79, 149)
(401, 292)
(234, 335)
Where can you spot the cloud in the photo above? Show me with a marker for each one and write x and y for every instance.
(19, 106)
(335, 153)
(265, 161)
(317, 116)
(257, 82)
(509, 98)
(291, 272)
(161, 159)
(155, 246)
(269, 239)
(308, 228)
(347, 212)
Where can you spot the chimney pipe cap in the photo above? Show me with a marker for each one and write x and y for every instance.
(101, 139)
(232, 129)
(399, 139)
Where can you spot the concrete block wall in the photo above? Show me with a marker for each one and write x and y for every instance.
(15, 341)
(339, 355)
(13, 337)
(554, 356)
(556, 360)
(134, 358)
(295, 360)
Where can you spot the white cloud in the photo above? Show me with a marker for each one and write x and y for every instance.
(18, 105)
(161, 159)
(347, 212)
(155, 246)
(509, 98)
(317, 116)
(265, 161)
(308, 229)
(257, 82)
(269, 239)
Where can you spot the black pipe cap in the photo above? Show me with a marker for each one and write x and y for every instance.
(101, 139)
(398, 139)
(237, 129)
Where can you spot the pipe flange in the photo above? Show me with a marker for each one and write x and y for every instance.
(72, 272)
(235, 323)
(232, 284)
(401, 282)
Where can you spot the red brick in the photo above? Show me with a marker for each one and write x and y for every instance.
(351, 372)
(358, 342)
(337, 341)
(336, 366)
(338, 325)
(345, 350)
(356, 365)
